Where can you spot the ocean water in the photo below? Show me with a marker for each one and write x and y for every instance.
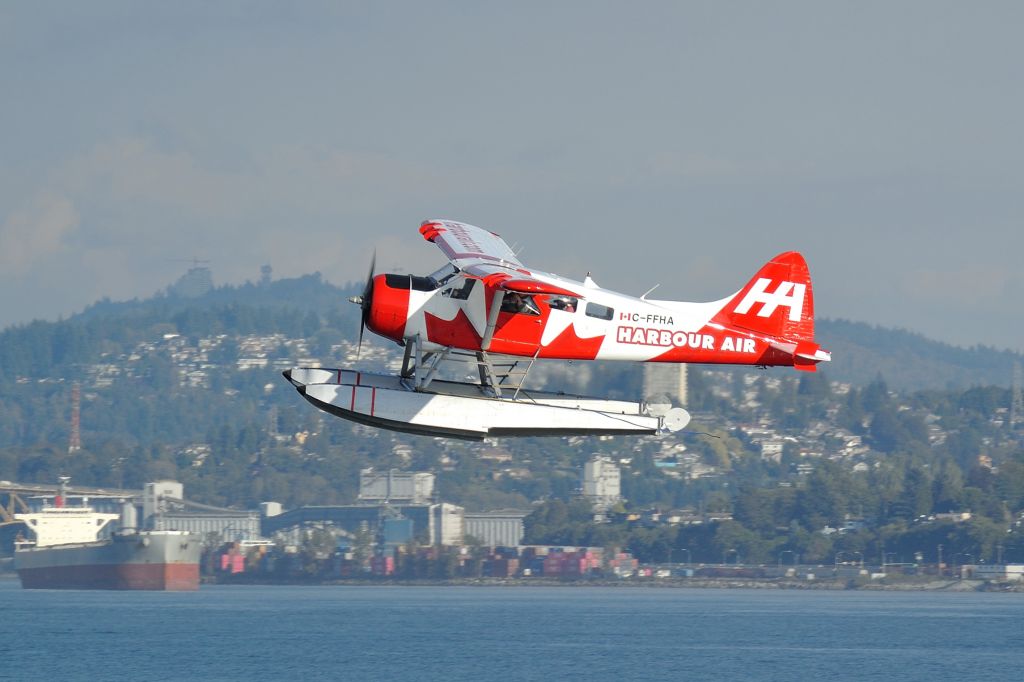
(508, 633)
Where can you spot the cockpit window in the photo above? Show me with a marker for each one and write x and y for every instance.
(602, 312)
(514, 302)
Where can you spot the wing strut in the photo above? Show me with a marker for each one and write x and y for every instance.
(492, 318)
(419, 367)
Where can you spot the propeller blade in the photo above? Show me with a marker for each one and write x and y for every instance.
(366, 302)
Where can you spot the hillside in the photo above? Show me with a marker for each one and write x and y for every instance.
(305, 306)
(909, 361)
(190, 389)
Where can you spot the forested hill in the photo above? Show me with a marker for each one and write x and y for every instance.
(909, 361)
(306, 293)
(305, 306)
(298, 308)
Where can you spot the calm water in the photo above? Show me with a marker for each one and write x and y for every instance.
(514, 633)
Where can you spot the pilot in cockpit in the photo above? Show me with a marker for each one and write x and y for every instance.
(514, 302)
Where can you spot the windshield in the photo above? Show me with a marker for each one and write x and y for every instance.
(444, 274)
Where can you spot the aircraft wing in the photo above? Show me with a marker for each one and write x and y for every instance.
(467, 245)
(483, 254)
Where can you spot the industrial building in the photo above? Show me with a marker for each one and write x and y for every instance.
(994, 572)
(395, 487)
(436, 524)
(228, 525)
(164, 507)
(503, 528)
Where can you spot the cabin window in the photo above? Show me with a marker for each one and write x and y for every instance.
(601, 312)
(569, 304)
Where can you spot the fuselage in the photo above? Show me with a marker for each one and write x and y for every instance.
(597, 324)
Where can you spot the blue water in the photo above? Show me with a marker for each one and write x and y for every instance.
(511, 633)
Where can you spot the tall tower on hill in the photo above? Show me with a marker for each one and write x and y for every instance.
(1016, 402)
(75, 440)
(194, 283)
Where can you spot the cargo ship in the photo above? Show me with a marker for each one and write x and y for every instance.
(77, 547)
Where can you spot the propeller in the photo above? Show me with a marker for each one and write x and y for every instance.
(364, 301)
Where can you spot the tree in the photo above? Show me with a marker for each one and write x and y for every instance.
(823, 499)
(875, 397)
(918, 491)
(1010, 484)
(731, 536)
(556, 522)
(948, 487)
(755, 508)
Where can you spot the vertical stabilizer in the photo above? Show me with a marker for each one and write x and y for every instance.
(778, 301)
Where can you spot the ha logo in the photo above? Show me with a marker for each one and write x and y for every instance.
(787, 294)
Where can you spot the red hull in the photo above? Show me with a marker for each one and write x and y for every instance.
(112, 577)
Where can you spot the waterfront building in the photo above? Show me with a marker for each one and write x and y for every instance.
(158, 498)
(435, 524)
(502, 528)
(230, 525)
(996, 572)
(448, 524)
(164, 507)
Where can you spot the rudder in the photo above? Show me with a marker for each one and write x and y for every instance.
(778, 301)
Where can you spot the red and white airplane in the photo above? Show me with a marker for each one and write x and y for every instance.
(485, 303)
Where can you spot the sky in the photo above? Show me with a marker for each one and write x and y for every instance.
(673, 143)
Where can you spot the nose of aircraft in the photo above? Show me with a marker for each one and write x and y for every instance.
(386, 308)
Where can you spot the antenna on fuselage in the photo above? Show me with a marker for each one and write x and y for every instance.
(644, 297)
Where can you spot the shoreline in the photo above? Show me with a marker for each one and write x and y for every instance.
(840, 584)
(686, 583)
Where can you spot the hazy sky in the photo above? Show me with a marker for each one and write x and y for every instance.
(680, 143)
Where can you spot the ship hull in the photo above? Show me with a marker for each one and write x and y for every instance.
(159, 560)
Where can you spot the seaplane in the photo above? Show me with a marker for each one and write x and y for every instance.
(487, 310)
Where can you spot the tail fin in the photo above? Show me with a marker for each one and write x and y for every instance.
(777, 301)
